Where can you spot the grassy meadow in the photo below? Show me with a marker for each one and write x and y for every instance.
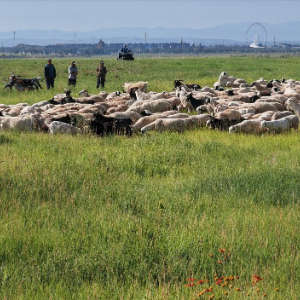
(160, 216)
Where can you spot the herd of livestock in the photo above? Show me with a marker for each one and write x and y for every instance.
(231, 104)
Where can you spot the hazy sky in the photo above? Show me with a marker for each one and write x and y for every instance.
(79, 15)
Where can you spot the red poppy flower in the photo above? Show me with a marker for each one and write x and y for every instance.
(200, 281)
(219, 281)
(190, 284)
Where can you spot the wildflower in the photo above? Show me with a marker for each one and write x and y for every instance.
(200, 281)
(219, 281)
(277, 290)
(201, 293)
(256, 278)
(226, 293)
(265, 295)
(231, 286)
(238, 289)
(211, 297)
(211, 255)
(237, 277)
(216, 275)
(229, 278)
(257, 290)
(190, 284)
(220, 262)
(221, 250)
(191, 279)
(224, 284)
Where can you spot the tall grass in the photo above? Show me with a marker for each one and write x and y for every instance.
(134, 218)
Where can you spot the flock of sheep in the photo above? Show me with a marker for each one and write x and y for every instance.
(232, 105)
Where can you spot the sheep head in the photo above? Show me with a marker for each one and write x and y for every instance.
(263, 124)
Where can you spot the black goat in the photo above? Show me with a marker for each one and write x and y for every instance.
(102, 125)
(230, 92)
(195, 102)
(178, 83)
(132, 93)
(102, 128)
(270, 83)
(222, 124)
(253, 98)
(122, 126)
(53, 102)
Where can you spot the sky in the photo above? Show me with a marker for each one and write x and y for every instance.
(79, 15)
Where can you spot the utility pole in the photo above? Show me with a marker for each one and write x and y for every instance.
(75, 42)
(14, 33)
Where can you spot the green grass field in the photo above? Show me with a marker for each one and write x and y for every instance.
(83, 217)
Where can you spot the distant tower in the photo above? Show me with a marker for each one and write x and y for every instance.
(274, 41)
(145, 37)
(181, 41)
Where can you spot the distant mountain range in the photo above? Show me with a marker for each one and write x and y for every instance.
(227, 34)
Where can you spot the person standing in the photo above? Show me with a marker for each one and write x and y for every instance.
(50, 74)
(72, 74)
(101, 72)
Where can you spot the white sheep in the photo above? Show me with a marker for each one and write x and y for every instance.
(84, 93)
(149, 119)
(134, 116)
(141, 85)
(184, 104)
(121, 107)
(247, 126)
(293, 105)
(281, 114)
(63, 128)
(205, 108)
(20, 123)
(277, 126)
(41, 104)
(225, 79)
(153, 106)
(293, 121)
(169, 124)
(200, 120)
(30, 110)
(228, 114)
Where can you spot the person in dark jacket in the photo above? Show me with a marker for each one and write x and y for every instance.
(101, 72)
(50, 74)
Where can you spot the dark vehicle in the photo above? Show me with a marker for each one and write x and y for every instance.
(23, 84)
(125, 55)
